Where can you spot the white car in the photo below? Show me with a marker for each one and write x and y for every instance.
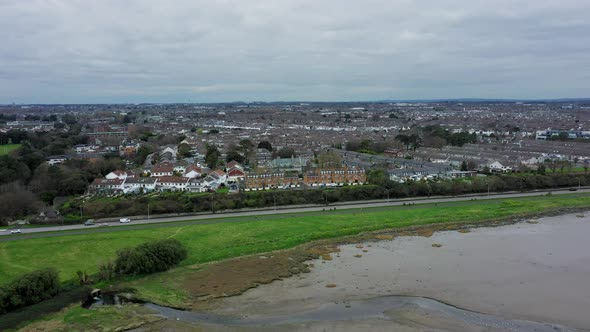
(15, 231)
(124, 220)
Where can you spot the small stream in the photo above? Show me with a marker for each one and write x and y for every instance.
(106, 299)
(375, 308)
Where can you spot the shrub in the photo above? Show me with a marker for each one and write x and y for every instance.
(154, 256)
(106, 271)
(83, 277)
(30, 288)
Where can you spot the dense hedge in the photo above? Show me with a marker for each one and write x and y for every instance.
(154, 256)
(30, 288)
(179, 202)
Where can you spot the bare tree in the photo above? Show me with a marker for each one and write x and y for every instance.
(17, 202)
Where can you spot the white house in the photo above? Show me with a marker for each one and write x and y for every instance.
(138, 184)
(216, 178)
(196, 185)
(116, 175)
(497, 167)
(169, 153)
(172, 183)
(193, 171)
(106, 185)
(162, 170)
(180, 166)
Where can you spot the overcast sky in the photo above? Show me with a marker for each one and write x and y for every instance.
(85, 51)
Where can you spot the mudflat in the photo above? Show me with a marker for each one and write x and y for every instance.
(531, 273)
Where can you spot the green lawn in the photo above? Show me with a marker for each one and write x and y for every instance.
(7, 148)
(210, 242)
(566, 170)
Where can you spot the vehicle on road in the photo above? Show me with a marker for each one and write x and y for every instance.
(124, 220)
(89, 222)
(15, 231)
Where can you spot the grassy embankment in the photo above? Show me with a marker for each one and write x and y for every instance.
(7, 148)
(76, 318)
(211, 242)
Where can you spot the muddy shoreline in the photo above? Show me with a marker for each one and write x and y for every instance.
(232, 277)
(211, 285)
(334, 266)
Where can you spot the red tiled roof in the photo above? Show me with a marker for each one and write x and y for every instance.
(193, 168)
(162, 169)
(172, 179)
(235, 172)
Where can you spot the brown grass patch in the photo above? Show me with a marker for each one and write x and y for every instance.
(384, 237)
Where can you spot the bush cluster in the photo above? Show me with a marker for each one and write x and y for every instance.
(40, 285)
(154, 256)
(30, 288)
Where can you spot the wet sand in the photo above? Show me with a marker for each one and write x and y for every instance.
(538, 272)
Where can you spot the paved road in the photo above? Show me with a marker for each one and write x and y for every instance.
(231, 216)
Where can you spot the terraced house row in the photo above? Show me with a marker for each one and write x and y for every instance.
(315, 178)
(169, 177)
(148, 184)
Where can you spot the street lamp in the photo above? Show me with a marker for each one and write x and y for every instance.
(148, 210)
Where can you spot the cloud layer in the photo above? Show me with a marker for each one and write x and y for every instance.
(79, 51)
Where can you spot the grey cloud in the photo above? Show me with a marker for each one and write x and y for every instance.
(134, 51)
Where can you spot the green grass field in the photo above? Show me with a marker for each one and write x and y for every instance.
(210, 242)
(7, 148)
(566, 170)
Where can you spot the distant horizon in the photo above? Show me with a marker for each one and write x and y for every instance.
(196, 51)
(437, 100)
